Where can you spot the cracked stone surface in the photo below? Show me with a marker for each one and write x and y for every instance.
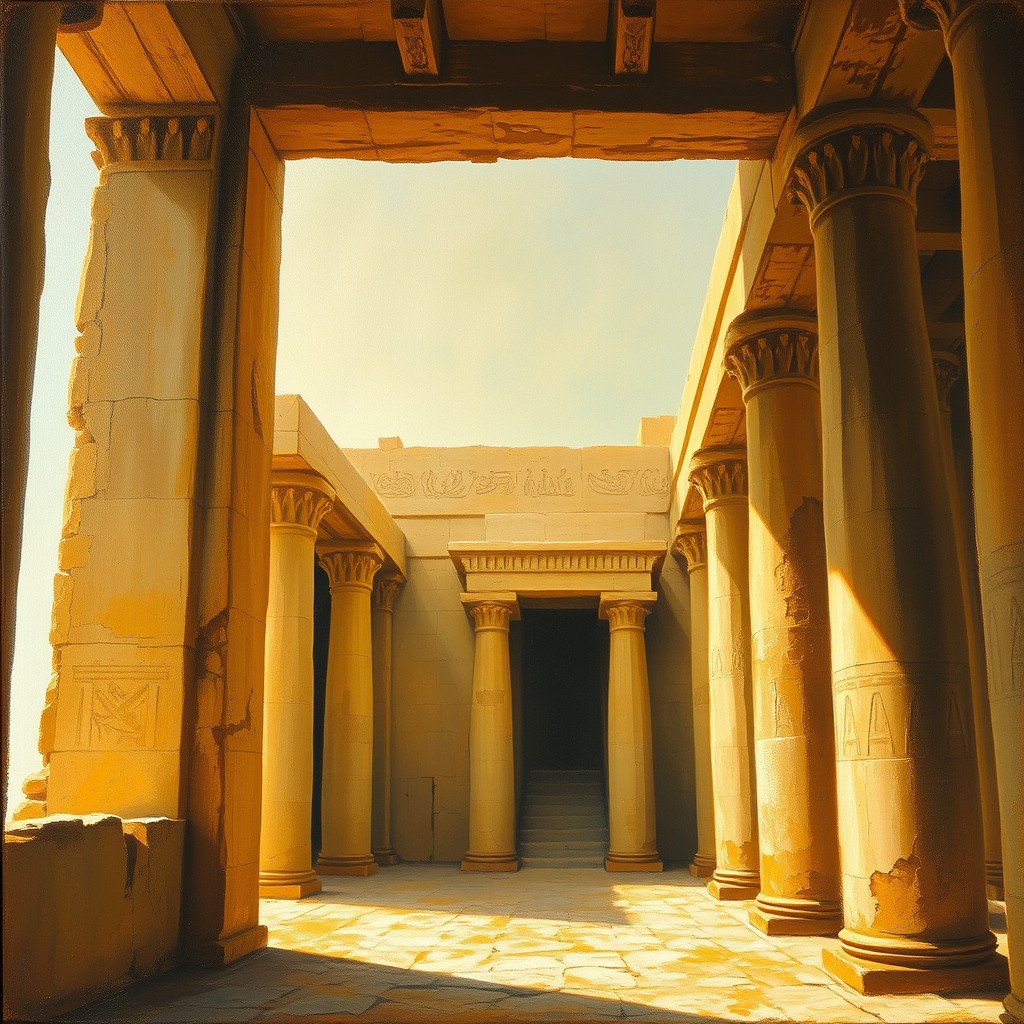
(418, 943)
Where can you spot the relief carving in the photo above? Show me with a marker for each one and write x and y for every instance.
(394, 485)
(118, 705)
(498, 481)
(546, 486)
(607, 482)
(654, 483)
(171, 139)
(454, 484)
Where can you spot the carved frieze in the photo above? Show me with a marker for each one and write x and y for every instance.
(178, 139)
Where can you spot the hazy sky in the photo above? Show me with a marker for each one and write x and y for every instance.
(523, 302)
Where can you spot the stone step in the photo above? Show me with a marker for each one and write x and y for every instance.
(557, 850)
(595, 834)
(562, 862)
(568, 821)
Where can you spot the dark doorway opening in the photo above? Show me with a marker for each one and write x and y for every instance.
(564, 664)
(321, 640)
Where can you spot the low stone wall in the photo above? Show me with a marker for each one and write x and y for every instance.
(91, 905)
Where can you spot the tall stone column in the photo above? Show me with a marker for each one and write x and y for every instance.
(492, 796)
(632, 828)
(914, 906)
(720, 475)
(692, 544)
(298, 503)
(773, 354)
(947, 370)
(385, 590)
(347, 795)
(984, 39)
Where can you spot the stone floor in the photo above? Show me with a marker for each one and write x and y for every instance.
(419, 943)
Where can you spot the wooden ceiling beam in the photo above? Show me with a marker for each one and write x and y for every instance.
(418, 31)
(633, 33)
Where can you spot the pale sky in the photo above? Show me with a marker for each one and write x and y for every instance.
(517, 303)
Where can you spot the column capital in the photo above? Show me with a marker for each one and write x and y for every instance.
(491, 610)
(947, 371)
(772, 346)
(385, 590)
(841, 151)
(152, 141)
(948, 15)
(692, 544)
(299, 502)
(720, 474)
(351, 566)
(626, 609)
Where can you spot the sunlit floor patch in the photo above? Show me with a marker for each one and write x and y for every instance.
(418, 943)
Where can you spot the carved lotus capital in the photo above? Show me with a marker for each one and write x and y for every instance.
(351, 566)
(947, 372)
(948, 15)
(766, 347)
(186, 139)
(298, 502)
(720, 474)
(692, 545)
(625, 613)
(491, 611)
(843, 151)
(385, 590)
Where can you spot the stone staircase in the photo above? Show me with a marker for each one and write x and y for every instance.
(563, 822)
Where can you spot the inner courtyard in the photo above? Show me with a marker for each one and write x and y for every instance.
(721, 724)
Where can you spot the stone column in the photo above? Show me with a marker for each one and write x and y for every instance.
(984, 39)
(492, 799)
(947, 370)
(632, 831)
(720, 476)
(693, 545)
(914, 905)
(298, 503)
(347, 797)
(773, 354)
(385, 590)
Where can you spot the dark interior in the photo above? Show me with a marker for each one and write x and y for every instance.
(564, 650)
(321, 639)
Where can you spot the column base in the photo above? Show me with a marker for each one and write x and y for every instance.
(778, 915)
(360, 867)
(222, 952)
(871, 978)
(490, 862)
(734, 884)
(702, 866)
(288, 885)
(633, 862)
(385, 858)
(1014, 1009)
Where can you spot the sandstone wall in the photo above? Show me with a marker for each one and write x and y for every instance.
(91, 905)
(493, 494)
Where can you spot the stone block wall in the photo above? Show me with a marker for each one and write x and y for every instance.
(91, 905)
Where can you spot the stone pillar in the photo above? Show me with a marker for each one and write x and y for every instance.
(720, 476)
(347, 797)
(28, 34)
(914, 905)
(947, 370)
(124, 631)
(385, 590)
(693, 545)
(632, 831)
(773, 354)
(984, 39)
(492, 801)
(298, 503)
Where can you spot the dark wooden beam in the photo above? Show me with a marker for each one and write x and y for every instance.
(633, 34)
(418, 32)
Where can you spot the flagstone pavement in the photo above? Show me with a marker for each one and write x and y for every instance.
(418, 943)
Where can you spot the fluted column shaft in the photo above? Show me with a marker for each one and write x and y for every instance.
(693, 545)
(632, 838)
(347, 795)
(286, 865)
(492, 793)
(385, 590)
(909, 817)
(985, 39)
(773, 355)
(947, 369)
(720, 475)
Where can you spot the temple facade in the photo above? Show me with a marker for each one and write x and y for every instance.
(779, 640)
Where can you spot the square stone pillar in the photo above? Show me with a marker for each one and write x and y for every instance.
(123, 628)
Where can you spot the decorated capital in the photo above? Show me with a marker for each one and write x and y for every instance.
(172, 139)
(947, 372)
(693, 546)
(720, 474)
(299, 504)
(766, 347)
(351, 567)
(385, 590)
